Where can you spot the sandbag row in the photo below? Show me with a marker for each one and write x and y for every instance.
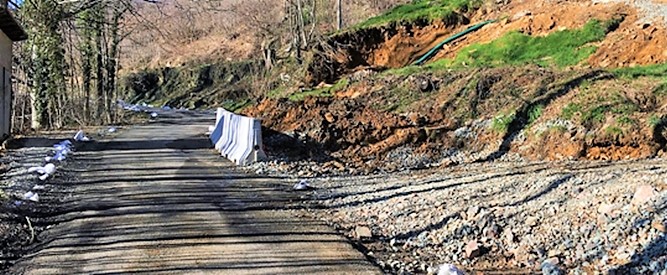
(238, 138)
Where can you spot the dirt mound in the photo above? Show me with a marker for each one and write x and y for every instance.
(346, 129)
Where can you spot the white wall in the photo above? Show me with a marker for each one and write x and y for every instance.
(5, 84)
(5, 51)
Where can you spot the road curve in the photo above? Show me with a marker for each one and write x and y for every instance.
(157, 200)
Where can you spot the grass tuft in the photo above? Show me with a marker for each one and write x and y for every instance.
(656, 70)
(570, 110)
(421, 10)
(534, 113)
(502, 122)
(321, 92)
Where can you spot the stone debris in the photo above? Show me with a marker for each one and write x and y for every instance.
(363, 232)
(660, 226)
(506, 216)
(643, 194)
(31, 196)
(301, 186)
(550, 267)
(473, 250)
(449, 269)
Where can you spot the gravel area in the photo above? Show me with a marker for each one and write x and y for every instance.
(652, 10)
(569, 217)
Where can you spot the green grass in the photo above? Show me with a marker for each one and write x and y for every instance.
(596, 114)
(502, 122)
(236, 105)
(661, 90)
(534, 113)
(613, 130)
(321, 92)
(561, 48)
(428, 10)
(570, 110)
(400, 98)
(657, 70)
(277, 92)
(654, 120)
(626, 120)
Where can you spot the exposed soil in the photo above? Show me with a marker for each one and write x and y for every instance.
(635, 42)
(453, 121)
(392, 46)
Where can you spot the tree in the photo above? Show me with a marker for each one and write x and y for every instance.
(46, 64)
(96, 24)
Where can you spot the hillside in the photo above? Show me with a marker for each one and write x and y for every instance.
(542, 81)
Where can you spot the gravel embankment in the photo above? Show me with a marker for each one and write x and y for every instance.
(651, 10)
(574, 216)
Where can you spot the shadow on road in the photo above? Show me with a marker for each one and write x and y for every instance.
(173, 205)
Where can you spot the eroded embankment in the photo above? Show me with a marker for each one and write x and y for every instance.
(477, 115)
(389, 46)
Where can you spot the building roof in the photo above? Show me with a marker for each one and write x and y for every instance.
(10, 27)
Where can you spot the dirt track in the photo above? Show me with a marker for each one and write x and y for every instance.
(156, 199)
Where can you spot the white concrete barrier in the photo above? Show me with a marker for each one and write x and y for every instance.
(238, 138)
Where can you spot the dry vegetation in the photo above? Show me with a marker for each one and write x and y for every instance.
(178, 32)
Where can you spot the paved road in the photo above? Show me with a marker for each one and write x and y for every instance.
(156, 200)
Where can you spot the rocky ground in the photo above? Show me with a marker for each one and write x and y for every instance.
(523, 217)
(21, 216)
(16, 224)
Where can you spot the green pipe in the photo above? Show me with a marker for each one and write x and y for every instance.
(435, 49)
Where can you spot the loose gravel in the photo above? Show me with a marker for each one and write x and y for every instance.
(566, 217)
(652, 11)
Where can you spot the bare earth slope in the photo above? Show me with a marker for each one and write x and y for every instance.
(157, 200)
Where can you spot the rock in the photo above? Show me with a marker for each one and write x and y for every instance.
(554, 253)
(473, 249)
(531, 221)
(521, 14)
(330, 117)
(363, 232)
(449, 269)
(509, 236)
(606, 209)
(472, 212)
(643, 194)
(660, 226)
(549, 267)
(623, 258)
(302, 185)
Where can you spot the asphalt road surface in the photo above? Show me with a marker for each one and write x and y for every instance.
(157, 199)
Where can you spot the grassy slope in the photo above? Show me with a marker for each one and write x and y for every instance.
(426, 10)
